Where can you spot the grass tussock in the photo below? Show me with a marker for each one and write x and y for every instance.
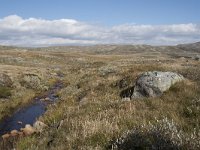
(5, 92)
(8, 106)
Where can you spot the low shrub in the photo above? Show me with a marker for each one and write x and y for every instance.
(164, 134)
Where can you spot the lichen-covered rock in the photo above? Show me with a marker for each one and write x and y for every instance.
(152, 84)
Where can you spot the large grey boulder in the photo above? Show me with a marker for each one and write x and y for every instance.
(153, 84)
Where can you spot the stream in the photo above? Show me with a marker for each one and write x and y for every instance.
(30, 113)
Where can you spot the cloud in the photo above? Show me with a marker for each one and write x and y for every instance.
(14, 30)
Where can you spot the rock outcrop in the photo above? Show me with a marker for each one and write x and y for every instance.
(153, 84)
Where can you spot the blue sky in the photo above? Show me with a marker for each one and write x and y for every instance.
(156, 22)
(108, 12)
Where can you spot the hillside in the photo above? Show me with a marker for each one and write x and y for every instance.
(195, 47)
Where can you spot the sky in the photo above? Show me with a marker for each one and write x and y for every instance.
(86, 22)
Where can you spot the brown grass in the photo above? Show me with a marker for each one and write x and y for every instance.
(90, 106)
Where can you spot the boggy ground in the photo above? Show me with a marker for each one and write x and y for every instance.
(90, 113)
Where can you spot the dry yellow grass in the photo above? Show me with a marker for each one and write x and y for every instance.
(90, 106)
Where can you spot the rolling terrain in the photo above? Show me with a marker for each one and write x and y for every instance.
(89, 112)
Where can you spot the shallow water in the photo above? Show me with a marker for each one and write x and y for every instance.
(29, 114)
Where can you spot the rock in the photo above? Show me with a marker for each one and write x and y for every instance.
(42, 99)
(28, 130)
(39, 126)
(153, 84)
(5, 136)
(182, 58)
(126, 99)
(47, 99)
(14, 133)
(19, 122)
(197, 57)
(54, 74)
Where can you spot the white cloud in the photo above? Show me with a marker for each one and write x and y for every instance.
(15, 30)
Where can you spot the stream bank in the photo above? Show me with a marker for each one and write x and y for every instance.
(30, 113)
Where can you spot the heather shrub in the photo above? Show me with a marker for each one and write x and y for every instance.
(164, 134)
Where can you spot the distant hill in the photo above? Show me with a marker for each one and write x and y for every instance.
(195, 47)
(184, 49)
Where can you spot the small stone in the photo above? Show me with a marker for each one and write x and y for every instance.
(19, 122)
(28, 130)
(39, 126)
(54, 74)
(47, 99)
(5, 136)
(14, 133)
(126, 99)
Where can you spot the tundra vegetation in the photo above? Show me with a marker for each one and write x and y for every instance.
(90, 113)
